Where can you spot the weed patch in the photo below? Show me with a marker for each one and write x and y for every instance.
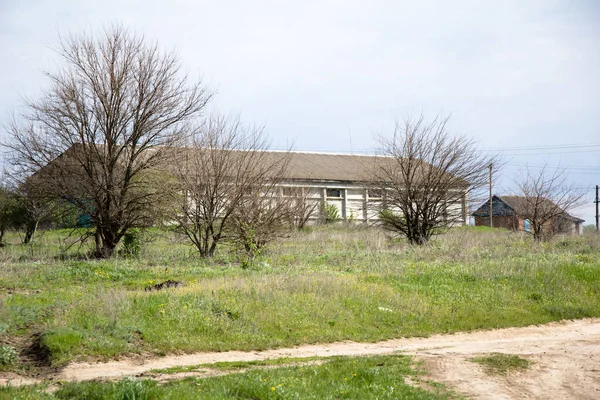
(568, 311)
(59, 344)
(8, 356)
(502, 364)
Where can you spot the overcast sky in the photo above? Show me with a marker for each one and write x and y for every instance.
(327, 75)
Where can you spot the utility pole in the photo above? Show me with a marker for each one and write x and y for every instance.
(597, 227)
(491, 210)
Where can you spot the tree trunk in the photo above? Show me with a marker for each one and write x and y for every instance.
(97, 241)
(106, 251)
(417, 239)
(538, 234)
(30, 229)
(106, 242)
(211, 250)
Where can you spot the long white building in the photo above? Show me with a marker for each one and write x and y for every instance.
(347, 182)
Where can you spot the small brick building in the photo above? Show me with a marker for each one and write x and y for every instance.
(508, 211)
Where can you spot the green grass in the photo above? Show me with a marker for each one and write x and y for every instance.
(237, 365)
(502, 364)
(328, 284)
(380, 377)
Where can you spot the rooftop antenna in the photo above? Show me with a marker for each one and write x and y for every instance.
(350, 135)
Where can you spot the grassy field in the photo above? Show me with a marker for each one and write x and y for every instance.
(324, 285)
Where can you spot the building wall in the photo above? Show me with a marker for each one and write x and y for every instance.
(508, 222)
(518, 224)
(567, 226)
(356, 202)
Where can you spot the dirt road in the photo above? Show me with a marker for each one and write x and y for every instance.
(566, 360)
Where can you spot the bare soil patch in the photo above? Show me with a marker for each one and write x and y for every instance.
(566, 360)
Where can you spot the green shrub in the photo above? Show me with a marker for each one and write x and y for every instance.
(132, 242)
(8, 355)
(390, 220)
(352, 217)
(251, 242)
(331, 213)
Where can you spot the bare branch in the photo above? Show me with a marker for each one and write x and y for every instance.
(225, 183)
(426, 176)
(546, 198)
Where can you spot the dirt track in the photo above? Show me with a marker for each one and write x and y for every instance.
(566, 356)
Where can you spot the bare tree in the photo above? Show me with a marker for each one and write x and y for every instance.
(219, 178)
(302, 206)
(545, 198)
(425, 178)
(263, 214)
(102, 130)
(35, 207)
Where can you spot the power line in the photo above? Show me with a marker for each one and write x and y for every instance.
(534, 153)
(570, 171)
(507, 151)
(537, 166)
(518, 151)
(549, 147)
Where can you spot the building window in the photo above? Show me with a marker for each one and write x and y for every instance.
(375, 194)
(291, 191)
(334, 193)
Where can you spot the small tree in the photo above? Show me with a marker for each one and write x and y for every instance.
(222, 182)
(263, 214)
(9, 206)
(35, 208)
(103, 129)
(302, 207)
(545, 198)
(425, 176)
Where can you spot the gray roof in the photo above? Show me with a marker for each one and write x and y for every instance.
(329, 167)
(318, 166)
(304, 166)
(336, 167)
